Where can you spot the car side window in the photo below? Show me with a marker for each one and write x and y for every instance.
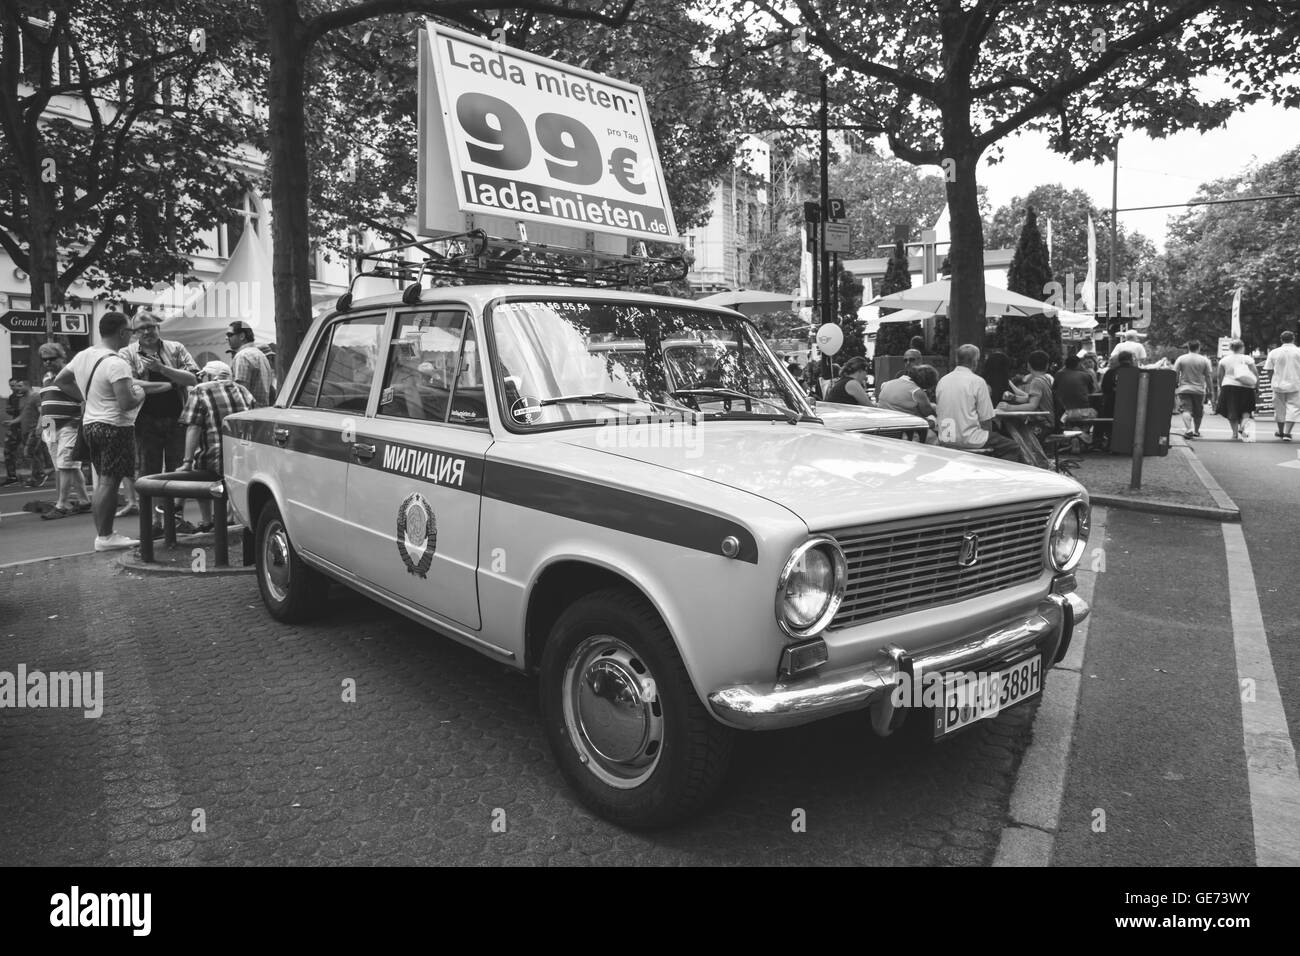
(344, 366)
(422, 363)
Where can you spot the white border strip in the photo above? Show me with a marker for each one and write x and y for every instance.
(1270, 756)
(1040, 782)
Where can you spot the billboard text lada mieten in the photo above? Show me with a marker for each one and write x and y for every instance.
(629, 497)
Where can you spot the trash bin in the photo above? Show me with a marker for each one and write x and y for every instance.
(1161, 383)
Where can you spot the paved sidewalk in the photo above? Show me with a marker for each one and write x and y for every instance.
(216, 715)
(1173, 484)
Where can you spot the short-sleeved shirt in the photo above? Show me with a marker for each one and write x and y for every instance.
(207, 406)
(1039, 389)
(963, 402)
(57, 405)
(162, 404)
(1136, 348)
(101, 400)
(1284, 363)
(1194, 372)
(1233, 365)
(253, 371)
(900, 395)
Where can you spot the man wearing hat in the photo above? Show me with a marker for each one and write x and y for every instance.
(250, 367)
(1133, 344)
(216, 396)
(60, 418)
(159, 436)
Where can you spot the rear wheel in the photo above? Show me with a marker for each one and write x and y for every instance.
(621, 715)
(291, 591)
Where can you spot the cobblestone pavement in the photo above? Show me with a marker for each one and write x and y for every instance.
(211, 706)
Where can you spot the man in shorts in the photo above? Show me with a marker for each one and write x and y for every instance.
(1284, 363)
(113, 398)
(60, 419)
(1194, 376)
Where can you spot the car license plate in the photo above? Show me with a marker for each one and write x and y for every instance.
(975, 696)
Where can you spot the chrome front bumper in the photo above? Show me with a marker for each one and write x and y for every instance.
(767, 707)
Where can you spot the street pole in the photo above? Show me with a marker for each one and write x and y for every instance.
(1114, 212)
(825, 211)
(49, 312)
(1139, 431)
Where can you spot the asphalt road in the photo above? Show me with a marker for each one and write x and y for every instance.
(1157, 773)
(24, 536)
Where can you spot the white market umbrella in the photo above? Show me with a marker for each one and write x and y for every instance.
(755, 301)
(1075, 320)
(906, 315)
(933, 297)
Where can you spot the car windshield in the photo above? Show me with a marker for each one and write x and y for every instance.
(584, 362)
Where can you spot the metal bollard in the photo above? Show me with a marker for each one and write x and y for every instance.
(146, 527)
(219, 513)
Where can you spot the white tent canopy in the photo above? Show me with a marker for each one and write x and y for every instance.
(242, 292)
(933, 297)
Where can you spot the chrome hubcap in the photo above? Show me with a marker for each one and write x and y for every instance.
(612, 711)
(275, 562)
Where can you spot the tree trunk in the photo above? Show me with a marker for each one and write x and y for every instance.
(966, 256)
(287, 144)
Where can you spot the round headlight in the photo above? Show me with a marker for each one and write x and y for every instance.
(1069, 535)
(811, 587)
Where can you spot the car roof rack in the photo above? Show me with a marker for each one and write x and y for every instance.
(475, 258)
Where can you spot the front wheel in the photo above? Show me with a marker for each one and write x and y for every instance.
(625, 724)
(291, 591)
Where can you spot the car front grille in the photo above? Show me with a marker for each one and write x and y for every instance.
(908, 566)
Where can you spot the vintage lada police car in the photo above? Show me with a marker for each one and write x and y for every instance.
(629, 496)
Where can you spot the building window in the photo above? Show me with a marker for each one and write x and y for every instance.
(241, 214)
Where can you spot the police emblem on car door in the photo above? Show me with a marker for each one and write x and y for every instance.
(414, 489)
(417, 534)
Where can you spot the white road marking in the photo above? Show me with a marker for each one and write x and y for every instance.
(1040, 782)
(1270, 755)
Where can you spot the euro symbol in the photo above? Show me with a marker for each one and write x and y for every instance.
(622, 167)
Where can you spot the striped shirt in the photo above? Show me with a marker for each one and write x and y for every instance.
(207, 406)
(58, 405)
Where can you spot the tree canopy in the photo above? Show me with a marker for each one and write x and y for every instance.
(1255, 246)
(119, 138)
(946, 81)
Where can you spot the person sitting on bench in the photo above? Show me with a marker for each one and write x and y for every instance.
(965, 411)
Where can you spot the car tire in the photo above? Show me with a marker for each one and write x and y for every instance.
(622, 717)
(291, 590)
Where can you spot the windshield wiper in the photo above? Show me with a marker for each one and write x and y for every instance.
(610, 398)
(790, 416)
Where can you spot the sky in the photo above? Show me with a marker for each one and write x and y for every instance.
(1150, 171)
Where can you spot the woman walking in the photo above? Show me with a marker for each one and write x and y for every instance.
(1237, 379)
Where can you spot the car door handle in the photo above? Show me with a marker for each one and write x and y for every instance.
(280, 434)
(363, 452)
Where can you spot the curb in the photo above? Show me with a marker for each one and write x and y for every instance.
(1034, 810)
(132, 562)
(1213, 487)
(1156, 506)
(129, 560)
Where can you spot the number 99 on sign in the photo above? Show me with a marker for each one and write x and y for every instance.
(502, 140)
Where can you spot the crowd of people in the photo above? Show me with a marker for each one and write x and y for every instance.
(136, 404)
(1078, 393)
